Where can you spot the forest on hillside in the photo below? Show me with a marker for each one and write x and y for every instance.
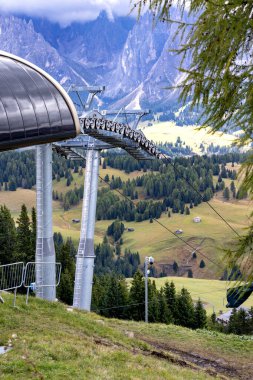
(161, 186)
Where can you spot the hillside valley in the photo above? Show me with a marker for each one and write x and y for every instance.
(208, 238)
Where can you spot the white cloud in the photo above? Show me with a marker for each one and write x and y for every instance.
(66, 11)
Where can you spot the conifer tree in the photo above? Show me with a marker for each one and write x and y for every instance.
(185, 309)
(65, 255)
(200, 319)
(213, 318)
(116, 298)
(99, 293)
(25, 250)
(232, 186)
(187, 211)
(175, 266)
(137, 297)
(190, 273)
(153, 302)
(171, 299)
(226, 194)
(65, 288)
(33, 229)
(164, 313)
(8, 237)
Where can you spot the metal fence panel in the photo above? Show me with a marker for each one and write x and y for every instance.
(11, 276)
(29, 278)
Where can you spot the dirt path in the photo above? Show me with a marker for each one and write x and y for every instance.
(218, 368)
(215, 368)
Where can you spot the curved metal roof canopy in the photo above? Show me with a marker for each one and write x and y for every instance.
(34, 108)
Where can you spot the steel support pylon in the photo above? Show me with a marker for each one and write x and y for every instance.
(45, 251)
(85, 256)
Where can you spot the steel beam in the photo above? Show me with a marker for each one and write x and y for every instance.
(45, 251)
(85, 256)
(89, 255)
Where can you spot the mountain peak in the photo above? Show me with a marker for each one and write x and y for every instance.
(104, 15)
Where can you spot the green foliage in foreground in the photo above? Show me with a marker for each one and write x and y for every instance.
(217, 35)
(50, 343)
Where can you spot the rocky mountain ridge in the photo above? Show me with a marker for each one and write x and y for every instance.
(131, 58)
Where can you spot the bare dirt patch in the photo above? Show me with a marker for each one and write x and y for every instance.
(215, 367)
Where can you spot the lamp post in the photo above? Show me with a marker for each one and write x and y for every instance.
(148, 261)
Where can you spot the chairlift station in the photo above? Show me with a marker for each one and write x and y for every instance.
(36, 110)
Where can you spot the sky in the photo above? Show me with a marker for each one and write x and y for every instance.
(66, 11)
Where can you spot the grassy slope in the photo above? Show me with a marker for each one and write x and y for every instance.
(51, 343)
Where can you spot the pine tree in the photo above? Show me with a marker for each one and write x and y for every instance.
(187, 211)
(8, 237)
(33, 229)
(200, 319)
(153, 302)
(240, 322)
(65, 289)
(226, 194)
(116, 300)
(99, 293)
(185, 309)
(65, 255)
(202, 264)
(12, 185)
(213, 318)
(164, 313)
(171, 299)
(190, 274)
(25, 250)
(175, 266)
(232, 186)
(137, 297)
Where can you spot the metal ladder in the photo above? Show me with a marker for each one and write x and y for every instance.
(39, 237)
(85, 217)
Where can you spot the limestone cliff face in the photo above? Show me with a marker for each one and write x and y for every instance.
(131, 58)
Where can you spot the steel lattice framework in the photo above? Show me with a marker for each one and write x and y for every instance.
(119, 135)
(98, 133)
